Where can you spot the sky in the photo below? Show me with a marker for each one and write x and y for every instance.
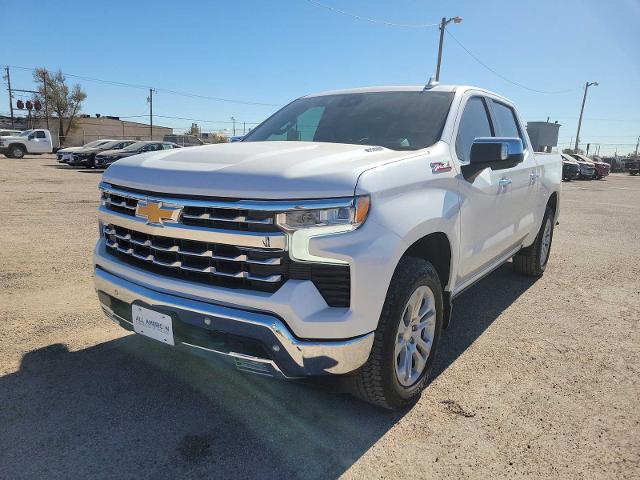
(271, 52)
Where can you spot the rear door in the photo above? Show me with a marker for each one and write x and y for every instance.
(486, 230)
(524, 177)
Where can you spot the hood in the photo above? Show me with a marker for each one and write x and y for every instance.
(69, 149)
(87, 150)
(252, 170)
(6, 138)
(109, 153)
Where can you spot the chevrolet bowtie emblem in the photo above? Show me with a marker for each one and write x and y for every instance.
(154, 212)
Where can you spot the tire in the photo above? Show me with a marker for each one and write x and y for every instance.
(377, 382)
(533, 260)
(16, 151)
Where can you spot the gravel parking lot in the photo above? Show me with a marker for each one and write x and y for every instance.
(534, 378)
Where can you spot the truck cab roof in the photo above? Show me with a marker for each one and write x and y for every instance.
(408, 88)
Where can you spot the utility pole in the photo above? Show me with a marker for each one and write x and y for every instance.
(637, 145)
(233, 119)
(150, 100)
(46, 102)
(443, 25)
(10, 95)
(244, 128)
(584, 99)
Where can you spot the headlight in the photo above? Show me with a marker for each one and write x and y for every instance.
(305, 223)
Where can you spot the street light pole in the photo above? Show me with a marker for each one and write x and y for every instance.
(584, 99)
(443, 25)
(10, 95)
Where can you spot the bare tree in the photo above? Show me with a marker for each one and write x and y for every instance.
(61, 101)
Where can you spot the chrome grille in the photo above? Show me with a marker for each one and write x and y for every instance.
(222, 242)
(217, 215)
(224, 265)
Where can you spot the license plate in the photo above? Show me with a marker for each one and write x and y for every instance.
(152, 324)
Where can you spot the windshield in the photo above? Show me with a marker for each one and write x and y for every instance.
(396, 120)
(134, 147)
(95, 143)
(26, 133)
(108, 145)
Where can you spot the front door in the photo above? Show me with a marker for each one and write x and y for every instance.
(486, 207)
(38, 143)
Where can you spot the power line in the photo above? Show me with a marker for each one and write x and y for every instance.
(186, 118)
(502, 76)
(371, 20)
(164, 90)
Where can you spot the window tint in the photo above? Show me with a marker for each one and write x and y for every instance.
(506, 124)
(473, 124)
(399, 120)
(40, 134)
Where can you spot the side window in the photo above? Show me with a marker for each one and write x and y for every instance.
(473, 124)
(40, 134)
(506, 124)
(167, 146)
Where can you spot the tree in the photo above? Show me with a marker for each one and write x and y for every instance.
(63, 102)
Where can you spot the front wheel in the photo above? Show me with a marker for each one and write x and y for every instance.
(406, 339)
(16, 151)
(533, 260)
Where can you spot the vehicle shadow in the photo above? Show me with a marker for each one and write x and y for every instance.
(476, 309)
(130, 408)
(75, 169)
(133, 408)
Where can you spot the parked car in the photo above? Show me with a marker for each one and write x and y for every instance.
(570, 167)
(633, 166)
(30, 141)
(183, 140)
(600, 169)
(237, 138)
(9, 133)
(587, 168)
(65, 154)
(106, 158)
(85, 157)
(333, 249)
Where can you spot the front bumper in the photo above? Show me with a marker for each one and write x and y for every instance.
(255, 341)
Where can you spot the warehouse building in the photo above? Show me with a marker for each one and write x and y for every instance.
(87, 128)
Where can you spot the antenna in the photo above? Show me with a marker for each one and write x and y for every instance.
(431, 83)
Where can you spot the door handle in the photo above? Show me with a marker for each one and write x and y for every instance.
(504, 181)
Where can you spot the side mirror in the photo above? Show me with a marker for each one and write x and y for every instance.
(496, 153)
(31, 137)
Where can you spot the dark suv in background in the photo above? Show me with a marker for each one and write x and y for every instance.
(84, 157)
(106, 158)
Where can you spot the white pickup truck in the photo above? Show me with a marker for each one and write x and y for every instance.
(333, 238)
(30, 141)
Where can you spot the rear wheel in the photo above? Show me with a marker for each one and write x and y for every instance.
(406, 339)
(533, 260)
